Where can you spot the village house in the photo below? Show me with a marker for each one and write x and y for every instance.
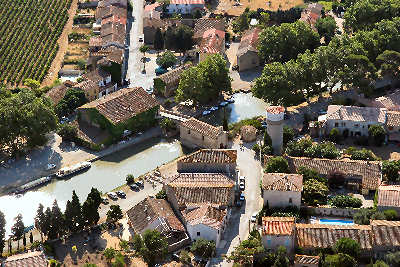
(195, 133)
(390, 101)
(311, 14)
(166, 84)
(389, 197)
(119, 3)
(278, 231)
(156, 214)
(204, 24)
(364, 175)
(153, 11)
(247, 55)
(206, 221)
(31, 259)
(127, 109)
(393, 125)
(386, 237)
(209, 161)
(185, 6)
(96, 84)
(193, 189)
(113, 34)
(352, 120)
(306, 261)
(57, 93)
(281, 190)
(213, 42)
(150, 26)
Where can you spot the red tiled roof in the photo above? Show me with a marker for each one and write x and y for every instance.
(205, 214)
(203, 128)
(123, 104)
(211, 156)
(393, 119)
(278, 225)
(249, 41)
(30, 259)
(356, 114)
(306, 259)
(96, 75)
(282, 182)
(95, 41)
(275, 109)
(152, 6)
(389, 196)
(390, 101)
(204, 24)
(386, 233)
(187, 2)
(213, 41)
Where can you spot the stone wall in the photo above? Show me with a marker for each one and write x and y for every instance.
(331, 211)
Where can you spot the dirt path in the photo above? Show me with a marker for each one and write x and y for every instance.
(63, 45)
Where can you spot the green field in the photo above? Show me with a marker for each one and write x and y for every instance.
(29, 30)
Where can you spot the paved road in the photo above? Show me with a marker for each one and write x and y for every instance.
(238, 227)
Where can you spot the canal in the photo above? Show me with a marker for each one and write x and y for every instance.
(110, 172)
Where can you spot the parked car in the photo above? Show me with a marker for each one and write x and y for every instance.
(141, 39)
(253, 218)
(236, 67)
(241, 186)
(241, 198)
(104, 200)
(242, 179)
(50, 166)
(176, 257)
(134, 187)
(140, 183)
(121, 194)
(160, 71)
(112, 195)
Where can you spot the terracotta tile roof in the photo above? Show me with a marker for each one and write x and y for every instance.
(109, 11)
(151, 7)
(114, 19)
(95, 41)
(213, 41)
(154, 23)
(96, 75)
(174, 75)
(282, 182)
(150, 209)
(211, 156)
(275, 109)
(87, 86)
(356, 114)
(58, 92)
(110, 53)
(386, 233)
(31, 259)
(187, 2)
(389, 196)
(306, 259)
(249, 41)
(104, 3)
(393, 119)
(325, 235)
(390, 101)
(278, 225)
(203, 128)
(205, 24)
(113, 33)
(205, 214)
(193, 188)
(369, 171)
(123, 104)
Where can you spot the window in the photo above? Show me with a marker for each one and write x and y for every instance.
(188, 131)
(202, 137)
(198, 233)
(269, 242)
(356, 125)
(290, 200)
(218, 231)
(286, 243)
(336, 124)
(343, 124)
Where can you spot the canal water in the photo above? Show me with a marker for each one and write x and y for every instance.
(110, 172)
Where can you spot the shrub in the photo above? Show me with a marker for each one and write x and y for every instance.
(235, 127)
(277, 165)
(130, 179)
(161, 195)
(288, 134)
(297, 148)
(378, 133)
(361, 154)
(362, 216)
(266, 150)
(68, 132)
(203, 248)
(390, 170)
(314, 192)
(334, 135)
(256, 148)
(347, 246)
(309, 173)
(343, 201)
(390, 215)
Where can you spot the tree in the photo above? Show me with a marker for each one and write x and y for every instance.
(380, 263)
(241, 23)
(362, 216)
(277, 165)
(281, 258)
(203, 248)
(340, 260)
(284, 42)
(378, 133)
(32, 84)
(18, 228)
(72, 99)
(152, 247)
(204, 82)
(143, 49)
(124, 245)
(344, 201)
(24, 240)
(31, 238)
(39, 220)
(158, 40)
(2, 233)
(267, 139)
(390, 170)
(326, 28)
(314, 192)
(57, 222)
(109, 253)
(288, 134)
(184, 38)
(334, 135)
(390, 215)
(161, 194)
(309, 173)
(244, 254)
(73, 214)
(166, 60)
(119, 260)
(184, 257)
(68, 132)
(393, 258)
(46, 225)
(347, 246)
(388, 62)
(114, 214)
(130, 179)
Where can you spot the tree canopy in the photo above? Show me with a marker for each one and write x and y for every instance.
(166, 60)
(314, 192)
(114, 214)
(277, 165)
(179, 38)
(203, 248)
(326, 28)
(347, 246)
(204, 82)
(152, 247)
(72, 99)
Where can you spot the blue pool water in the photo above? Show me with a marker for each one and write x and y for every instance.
(336, 221)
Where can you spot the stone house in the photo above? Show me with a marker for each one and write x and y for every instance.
(113, 34)
(390, 101)
(195, 133)
(150, 26)
(206, 221)
(393, 125)
(190, 189)
(204, 24)
(209, 161)
(156, 214)
(306, 261)
(247, 55)
(213, 42)
(127, 109)
(278, 231)
(353, 121)
(185, 6)
(166, 84)
(153, 11)
(389, 197)
(386, 237)
(281, 190)
(31, 259)
(119, 3)
(311, 14)
(96, 84)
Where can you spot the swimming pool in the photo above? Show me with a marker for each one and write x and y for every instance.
(336, 221)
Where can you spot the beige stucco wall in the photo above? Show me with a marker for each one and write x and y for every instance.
(192, 138)
(248, 61)
(281, 198)
(342, 125)
(275, 241)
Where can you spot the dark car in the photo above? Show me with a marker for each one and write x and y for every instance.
(134, 187)
(236, 67)
(176, 257)
(160, 71)
(140, 183)
(121, 194)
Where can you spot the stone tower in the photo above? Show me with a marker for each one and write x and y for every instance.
(275, 117)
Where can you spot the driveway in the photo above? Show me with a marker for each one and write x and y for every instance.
(238, 227)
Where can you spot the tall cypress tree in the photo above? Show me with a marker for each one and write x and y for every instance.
(18, 228)
(39, 220)
(158, 40)
(46, 224)
(57, 221)
(2, 232)
(69, 218)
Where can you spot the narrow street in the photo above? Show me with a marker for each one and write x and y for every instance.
(238, 226)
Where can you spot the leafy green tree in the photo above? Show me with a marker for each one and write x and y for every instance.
(39, 220)
(378, 133)
(362, 216)
(130, 179)
(166, 60)
(334, 135)
(73, 214)
(388, 63)
(347, 246)
(205, 81)
(241, 23)
(298, 148)
(326, 28)
(267, 139)
(31, 238)
(119, 260)
(158, 40)
(114, 214)
(309, 173)
(46, 224)
(184, 257)
(390, 215)
(143, 49)
(152, 247)
(109, 253)
(90, 207)
(314, 192)
(281, 258)
(124, 245)
(380, 263)
(184, 38)
(72, 99)
(203, 248)
(277, 165)
(33, 84)
(344, 201)
(248, 249)
(288, 134)
(340, 260)
(18, 228)
(2, 233)
(284, 42)
(68, 132)
(393, 258)
(390, 170)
